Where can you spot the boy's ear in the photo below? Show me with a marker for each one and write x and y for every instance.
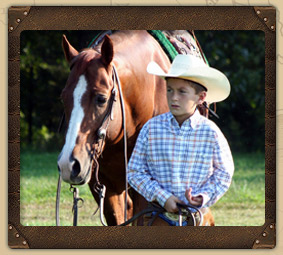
(202, 96)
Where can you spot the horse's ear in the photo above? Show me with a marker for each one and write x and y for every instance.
(107, 50)
(69, 51)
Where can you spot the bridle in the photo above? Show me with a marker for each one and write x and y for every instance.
(99, 188)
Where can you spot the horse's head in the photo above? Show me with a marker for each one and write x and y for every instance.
(86, 99)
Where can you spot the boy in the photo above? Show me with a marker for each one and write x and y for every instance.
(181, 156)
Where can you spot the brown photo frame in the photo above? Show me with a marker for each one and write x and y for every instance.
(94, 18)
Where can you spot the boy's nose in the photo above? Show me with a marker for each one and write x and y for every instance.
(174, 97)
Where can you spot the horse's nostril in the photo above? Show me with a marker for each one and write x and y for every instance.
(76, 169)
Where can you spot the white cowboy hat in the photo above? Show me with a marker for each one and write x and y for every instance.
(189, 67)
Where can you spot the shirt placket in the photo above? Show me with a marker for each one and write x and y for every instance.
(177, 162)
(187, 156)
(183, 140)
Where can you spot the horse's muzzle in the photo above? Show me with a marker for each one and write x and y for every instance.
(74, 171)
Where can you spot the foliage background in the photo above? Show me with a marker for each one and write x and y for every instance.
(44, 72)
(239, 54)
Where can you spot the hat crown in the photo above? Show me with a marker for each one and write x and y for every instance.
(182, 63)
(191, 68)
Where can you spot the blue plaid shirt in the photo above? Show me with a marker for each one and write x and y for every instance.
(168, 159)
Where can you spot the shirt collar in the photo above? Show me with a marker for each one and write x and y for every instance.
(192, 121)
(195, 118)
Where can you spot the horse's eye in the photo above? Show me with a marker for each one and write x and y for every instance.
(101, 100)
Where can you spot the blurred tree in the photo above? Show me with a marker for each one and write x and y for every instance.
(241, 56)
(44, 72)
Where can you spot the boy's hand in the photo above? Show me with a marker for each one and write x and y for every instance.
(196, 201)
(171, 204)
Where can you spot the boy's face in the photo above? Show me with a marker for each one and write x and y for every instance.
(182, 98)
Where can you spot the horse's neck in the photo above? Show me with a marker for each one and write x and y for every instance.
(133, 51)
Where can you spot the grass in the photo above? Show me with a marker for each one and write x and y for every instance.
(242, 205)
(39, 177)
(244, 202)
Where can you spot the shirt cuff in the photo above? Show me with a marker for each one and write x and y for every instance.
(162, 196)
(205, 199)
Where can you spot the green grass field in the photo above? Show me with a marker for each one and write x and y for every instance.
(242, 205)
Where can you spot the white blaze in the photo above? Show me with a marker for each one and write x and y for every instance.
(77, 116)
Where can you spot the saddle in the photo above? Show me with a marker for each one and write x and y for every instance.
(176, 42)
(173, 42)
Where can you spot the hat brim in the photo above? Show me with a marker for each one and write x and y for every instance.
(216, 83)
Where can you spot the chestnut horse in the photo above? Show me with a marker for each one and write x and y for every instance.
(87, 98)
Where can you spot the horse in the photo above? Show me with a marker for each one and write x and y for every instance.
(91, 100)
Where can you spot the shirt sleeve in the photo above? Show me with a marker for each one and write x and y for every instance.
(139, 176)
(223, 168)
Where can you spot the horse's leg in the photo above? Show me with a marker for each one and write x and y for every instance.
(208, 219)
(115, 207)
(130, 206)
(139, 204)
(114, 204)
